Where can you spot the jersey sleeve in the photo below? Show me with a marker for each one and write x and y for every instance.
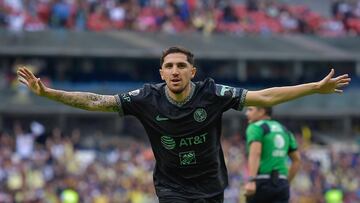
(293, 146)
(232, 97)
(132, 103)
(254, 133)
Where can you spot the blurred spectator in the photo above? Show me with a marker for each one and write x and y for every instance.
(98, 20)
(229, 14)
(288, 22)
(16, 22)
(60, 14)
(25, 142)
(117, 15)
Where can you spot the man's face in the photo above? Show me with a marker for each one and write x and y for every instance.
(254, 114)
(177, 72)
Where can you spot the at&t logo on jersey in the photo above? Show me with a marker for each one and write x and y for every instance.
(170, 143)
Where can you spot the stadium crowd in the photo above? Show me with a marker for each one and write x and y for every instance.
(173, 16)
(48, 165)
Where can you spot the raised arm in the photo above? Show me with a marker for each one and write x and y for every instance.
(83, 100)
(277, 95)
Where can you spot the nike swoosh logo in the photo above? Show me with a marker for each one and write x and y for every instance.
(159, 118)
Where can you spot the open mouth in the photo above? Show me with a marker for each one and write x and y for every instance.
(175, 80)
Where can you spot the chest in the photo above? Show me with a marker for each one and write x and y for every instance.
(195, 116)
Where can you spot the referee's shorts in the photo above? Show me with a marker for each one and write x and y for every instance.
(216, 199)
(270, 190)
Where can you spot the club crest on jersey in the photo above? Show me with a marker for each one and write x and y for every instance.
(200, 115)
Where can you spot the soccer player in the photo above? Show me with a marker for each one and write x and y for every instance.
(269, 144)
(183, 121)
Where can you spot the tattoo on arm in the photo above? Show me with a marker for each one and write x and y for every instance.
(86, 100)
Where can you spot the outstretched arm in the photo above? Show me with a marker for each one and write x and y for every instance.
(83, 100)
(277, 95)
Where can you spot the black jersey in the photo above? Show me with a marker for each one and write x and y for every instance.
(185, 138)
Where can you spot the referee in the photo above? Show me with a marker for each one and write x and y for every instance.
(269, 144)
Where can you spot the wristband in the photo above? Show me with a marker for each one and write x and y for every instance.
(251, 179)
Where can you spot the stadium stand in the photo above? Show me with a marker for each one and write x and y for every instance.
(258, 17)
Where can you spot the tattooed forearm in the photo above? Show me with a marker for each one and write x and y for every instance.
(85, 100)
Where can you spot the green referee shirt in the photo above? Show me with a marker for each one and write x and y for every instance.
(276, 142)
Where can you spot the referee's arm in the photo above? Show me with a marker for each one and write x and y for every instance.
(253, 165)
(295, 164)
(254, 158)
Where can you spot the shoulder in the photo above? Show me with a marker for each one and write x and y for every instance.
(259, 123)
(254, 132)
(283, 127)
(206, 87)
(143, 93)
(208, 82)
(258, 127)
(156, 86)
(151, 89)
(209, 86)
(255, 126)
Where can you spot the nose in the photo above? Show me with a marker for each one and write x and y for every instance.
(175, 70)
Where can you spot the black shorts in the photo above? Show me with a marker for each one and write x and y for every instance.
(270, 192)
(216, 199)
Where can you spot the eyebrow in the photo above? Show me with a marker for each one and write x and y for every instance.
(179, 63)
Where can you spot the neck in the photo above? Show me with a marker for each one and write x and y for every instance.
(180, 97)
(262, 118)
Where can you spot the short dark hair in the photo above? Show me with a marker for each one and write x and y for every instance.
(177, 49)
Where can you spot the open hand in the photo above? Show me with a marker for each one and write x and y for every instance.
(330, 85)
(26, 77)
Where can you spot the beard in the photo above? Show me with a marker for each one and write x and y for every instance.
(177, 90)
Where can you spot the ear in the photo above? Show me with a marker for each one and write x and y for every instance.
(161, 74)
(193, 72)
(262, 110)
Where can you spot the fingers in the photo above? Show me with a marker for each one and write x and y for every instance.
(26, 73)
(330, 75)
(23, 81)
(22, 77)
(29, 73)
(342, 84)
(21, 74)
(344, 80)
(339, 91)
(41, 85)
(341, 77)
